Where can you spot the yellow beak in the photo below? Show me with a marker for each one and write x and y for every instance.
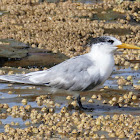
(127, 46)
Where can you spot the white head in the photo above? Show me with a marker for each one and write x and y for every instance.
(108, 44)
(105, 44)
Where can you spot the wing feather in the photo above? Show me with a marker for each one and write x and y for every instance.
(71, 74)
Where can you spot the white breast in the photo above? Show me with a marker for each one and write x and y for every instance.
(104, 63)
(106, 66)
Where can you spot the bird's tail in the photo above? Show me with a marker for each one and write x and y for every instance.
(16, 78)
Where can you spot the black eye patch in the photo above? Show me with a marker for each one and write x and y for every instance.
(102, 39)
(111, 41)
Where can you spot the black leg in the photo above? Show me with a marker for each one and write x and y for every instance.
(80, 104)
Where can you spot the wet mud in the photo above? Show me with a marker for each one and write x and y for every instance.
(39, 112)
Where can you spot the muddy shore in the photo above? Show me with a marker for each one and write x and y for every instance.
(52, 33)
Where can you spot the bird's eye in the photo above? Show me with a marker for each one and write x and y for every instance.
(111, 41)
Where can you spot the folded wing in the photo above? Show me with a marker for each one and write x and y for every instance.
(71, 74)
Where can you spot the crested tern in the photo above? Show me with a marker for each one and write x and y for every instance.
(80, 73)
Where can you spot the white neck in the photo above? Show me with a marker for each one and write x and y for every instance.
(103, 60)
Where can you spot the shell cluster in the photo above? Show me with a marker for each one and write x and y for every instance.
(65, 124)
(66, 27)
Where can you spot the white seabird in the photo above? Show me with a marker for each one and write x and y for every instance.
(79, 73)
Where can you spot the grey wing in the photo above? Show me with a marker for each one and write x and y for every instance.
(72, 74)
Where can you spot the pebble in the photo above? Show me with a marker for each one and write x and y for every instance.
(24, 101)
(72, 34)
(94, 97)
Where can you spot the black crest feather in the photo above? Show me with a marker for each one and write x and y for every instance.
(99, 40)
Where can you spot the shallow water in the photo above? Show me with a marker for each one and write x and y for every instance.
(1, 13)
(40, 59)
(21, 91)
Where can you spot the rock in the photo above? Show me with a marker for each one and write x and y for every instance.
(10, 48)
(15, 54)
(38, 59)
